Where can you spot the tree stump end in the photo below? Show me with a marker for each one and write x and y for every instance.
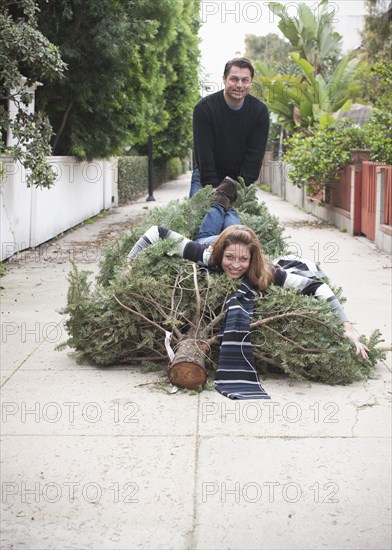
(187, 375)
(187, 369)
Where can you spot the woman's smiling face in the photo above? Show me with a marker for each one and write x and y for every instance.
(236, 260)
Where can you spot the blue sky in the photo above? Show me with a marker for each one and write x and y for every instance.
(226, 22)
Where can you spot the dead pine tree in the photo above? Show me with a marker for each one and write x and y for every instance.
(128, 318)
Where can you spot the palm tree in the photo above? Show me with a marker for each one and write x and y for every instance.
(324, 85)
(311, 34)
(307, 99)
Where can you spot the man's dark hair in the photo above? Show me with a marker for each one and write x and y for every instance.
(241, 62)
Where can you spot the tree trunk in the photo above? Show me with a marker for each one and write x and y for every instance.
(62, 126)
(187, 369)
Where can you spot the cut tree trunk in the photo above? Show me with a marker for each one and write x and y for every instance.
(187, 370)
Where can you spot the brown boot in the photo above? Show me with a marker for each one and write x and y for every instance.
(226, 193)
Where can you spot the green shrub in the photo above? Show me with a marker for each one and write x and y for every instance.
(185, 165)
(379, 136)
(132, 177)
(167, 169)
(174, 168)
(316, 159)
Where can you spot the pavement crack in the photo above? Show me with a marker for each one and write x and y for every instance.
(371, 402)
(192, 536)
(47, 338)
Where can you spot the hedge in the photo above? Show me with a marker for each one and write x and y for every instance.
(132, 177)
(165, 170)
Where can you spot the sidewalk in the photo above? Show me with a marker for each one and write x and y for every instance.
(94, 458)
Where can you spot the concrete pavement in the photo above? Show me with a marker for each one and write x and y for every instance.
(98, 458)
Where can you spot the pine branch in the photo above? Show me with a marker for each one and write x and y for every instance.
(213, 340)
(264, 357)
(133, 359)
(173, 310)
(168, 318)
(263, 322)
(140, 315)
(305, 350)
(197, 294)
(290, 314)
(217, 319)
(148, 299)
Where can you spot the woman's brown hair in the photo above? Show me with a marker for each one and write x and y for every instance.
(261, 271)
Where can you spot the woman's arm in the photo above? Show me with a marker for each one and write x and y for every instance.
(321, 290)
(310, 287)
(184, 247)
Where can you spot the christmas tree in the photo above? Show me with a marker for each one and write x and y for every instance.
(127, 317)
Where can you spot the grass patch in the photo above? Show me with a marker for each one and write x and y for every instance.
(91, 220)
(265, 187)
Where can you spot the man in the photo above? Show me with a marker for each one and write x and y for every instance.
(230, 130)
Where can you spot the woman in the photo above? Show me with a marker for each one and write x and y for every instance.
(237, 253)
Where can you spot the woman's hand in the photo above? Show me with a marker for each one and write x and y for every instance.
(128, 266)
(352, 335)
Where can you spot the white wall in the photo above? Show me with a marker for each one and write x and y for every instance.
(15, 208)
(31, 216)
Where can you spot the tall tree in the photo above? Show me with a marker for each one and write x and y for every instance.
(181, 93)
(323, 85)
(377, 32)
(118, 52)
(375, 69)
(26, 57)
(271, 50)
(125, 59)
(311, 34)
(101, 43)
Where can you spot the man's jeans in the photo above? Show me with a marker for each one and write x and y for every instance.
(195, 183)
(214, 222)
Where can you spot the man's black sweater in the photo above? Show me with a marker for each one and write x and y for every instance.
(229, 142)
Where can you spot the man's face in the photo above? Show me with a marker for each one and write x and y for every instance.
(237, 85)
